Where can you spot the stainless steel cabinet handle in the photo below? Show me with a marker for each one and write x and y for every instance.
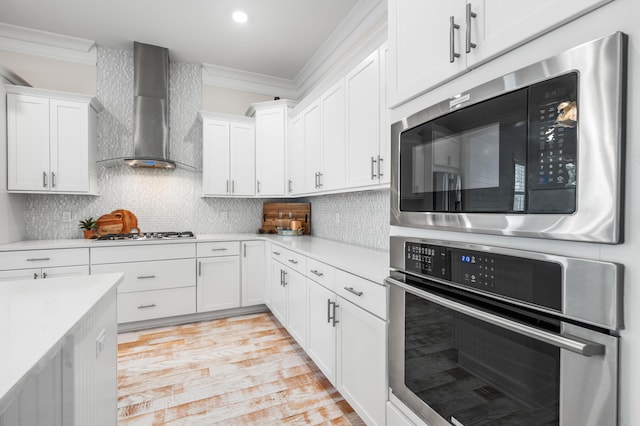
(290, 182)
(284, 278)
(244, 250)
(257, 186)
(356, 292)
(373, 165)
(146, 277)
(452, 34)
(44, 275)
(38, 259)
(295, 262)
(153, 305)
(328, 310)
(469, 45)
(333, 318)
(53, 179)
(315, 182)
(316, 272)
(380, 167)
(219, 249)
(35, 276)
(44, 179)
(227, 186)
(319, 180)
(199, 269)
(277, 253)
(281, 277)
(233, 186)
(581, 346)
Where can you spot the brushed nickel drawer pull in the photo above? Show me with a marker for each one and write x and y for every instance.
(315, 271)
(295, 262)
(153, 305)
(277, 253)
(38, 259)
(219, 249)
(356, 292)
(144, 277)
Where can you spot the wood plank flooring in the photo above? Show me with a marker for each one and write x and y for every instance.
(244, 370)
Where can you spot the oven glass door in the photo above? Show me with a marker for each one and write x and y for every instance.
(458, 359)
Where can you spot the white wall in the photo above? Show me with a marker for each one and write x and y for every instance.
(620, 15)
(229, 101)
(11, 205)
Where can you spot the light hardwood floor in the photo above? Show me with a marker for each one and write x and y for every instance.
(244, 370)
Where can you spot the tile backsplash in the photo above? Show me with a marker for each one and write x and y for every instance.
(171, 200)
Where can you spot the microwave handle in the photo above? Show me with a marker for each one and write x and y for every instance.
(580, 346)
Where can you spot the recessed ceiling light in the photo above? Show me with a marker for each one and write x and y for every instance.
(240, 17)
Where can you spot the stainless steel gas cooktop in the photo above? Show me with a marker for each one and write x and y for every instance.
(173, 235)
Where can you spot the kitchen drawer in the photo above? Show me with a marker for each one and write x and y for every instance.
(322, 273)
(140, 253)
(277, 252)
(24, 259)
(220, 248)
(146, 305)
(295, 261)
(155, 275)
(364, 293)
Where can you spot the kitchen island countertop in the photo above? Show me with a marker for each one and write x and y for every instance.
(35, 318)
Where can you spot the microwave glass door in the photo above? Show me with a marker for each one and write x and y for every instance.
(515, 153)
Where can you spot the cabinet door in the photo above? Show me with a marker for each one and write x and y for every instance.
(27, 143)
(65, 271)
(321, 343)
(312, 147)
(69, 146)
(384, 162)
(363, 122)
(215, 157)
(243, 155)
(502, 24)
(278, 292)
(20, 274)
(297, 316)
(270, 151)
(333, 170)
(419, 38)
(362, 361)
(254, 272)
(296, 157)
(218, 283)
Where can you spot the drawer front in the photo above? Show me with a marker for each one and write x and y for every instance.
(278, 253)
(220, 248)
(155, 275)
(322, 273)
(295, 261)
(24, 259)
(146, 305)
(141, 253)
(364, 293)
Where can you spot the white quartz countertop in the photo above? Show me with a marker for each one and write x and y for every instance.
(35, 317)
(365, 262)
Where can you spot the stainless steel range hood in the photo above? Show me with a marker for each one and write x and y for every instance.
(150, 107)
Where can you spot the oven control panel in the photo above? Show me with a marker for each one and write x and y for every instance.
(529, 280)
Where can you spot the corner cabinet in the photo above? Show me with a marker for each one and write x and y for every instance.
(228, 155)
(272, 125)
(433, 41)
(51, 141)
(218, 281)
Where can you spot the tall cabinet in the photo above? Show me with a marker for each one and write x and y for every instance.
(51, 141)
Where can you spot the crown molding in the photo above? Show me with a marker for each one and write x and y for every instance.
(50, 45)
(231, 78)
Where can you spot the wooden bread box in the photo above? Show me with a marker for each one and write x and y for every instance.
(276, 215)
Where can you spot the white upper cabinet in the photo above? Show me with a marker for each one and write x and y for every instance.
(433, 41)
(228, 155)
(295, 157)
(362, 86)
(333, 134)
(272, 119)
(51, 141)
(312, 147)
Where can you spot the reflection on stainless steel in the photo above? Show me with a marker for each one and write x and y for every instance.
(599, 190)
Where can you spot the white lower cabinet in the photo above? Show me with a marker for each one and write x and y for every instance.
(254, 272)
(362, 361)
(38, 273)
(218, 283)
(38, 264)
(321, 344)
(296, 287)
(396, 418)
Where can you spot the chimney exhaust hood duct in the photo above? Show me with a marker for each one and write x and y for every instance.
(150, 107)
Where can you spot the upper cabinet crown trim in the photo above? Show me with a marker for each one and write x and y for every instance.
(66, 96)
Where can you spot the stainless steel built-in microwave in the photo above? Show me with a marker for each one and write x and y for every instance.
(535, 153)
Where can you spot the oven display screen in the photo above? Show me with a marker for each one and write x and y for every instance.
(426, 259)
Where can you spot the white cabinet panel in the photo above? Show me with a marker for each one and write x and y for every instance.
(321, 345)
(65, 271)
(312, 147)
(254, 272)
(271, 133)
(215, 157)
(20, 274)
(243, 166)
(152, 275)
(69, 150)
(139, 253)
(278, 292)
(332, 105)
(364, 293)
(146, 305)
(296, 157)
(218, 248)
(297, 316)
(218, 283)
(362, 361)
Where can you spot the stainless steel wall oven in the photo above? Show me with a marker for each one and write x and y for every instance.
(483, 335)
(535, 153)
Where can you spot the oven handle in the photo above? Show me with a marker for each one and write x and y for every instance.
(580, 346)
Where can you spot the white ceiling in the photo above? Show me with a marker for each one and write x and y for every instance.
(279, 39)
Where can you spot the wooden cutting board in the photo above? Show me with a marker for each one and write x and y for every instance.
(274, 214)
